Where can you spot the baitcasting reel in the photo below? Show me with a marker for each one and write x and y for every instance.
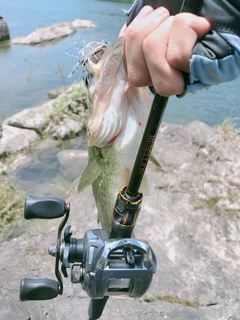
(102, 266)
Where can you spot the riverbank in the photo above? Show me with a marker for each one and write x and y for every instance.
(39, 128)
(190, 218)
(56, 31)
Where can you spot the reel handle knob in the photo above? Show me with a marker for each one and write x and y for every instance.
(38, 289)
(44, 208)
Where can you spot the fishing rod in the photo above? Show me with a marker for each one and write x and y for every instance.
(129, 199)
(103, 266)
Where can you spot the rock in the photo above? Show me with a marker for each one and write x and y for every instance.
(15, 139)
(34, 118)
(55, 31)
(72, 162)
(32, 171)
(4, 31)
(3, 168)
(61, 118)
(78, 23)
(190, 218)
(201, 134)
(65, 129)
(54, 93)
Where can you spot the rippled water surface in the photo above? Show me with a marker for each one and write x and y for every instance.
(28, 73)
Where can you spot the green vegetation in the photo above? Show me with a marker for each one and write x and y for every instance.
(11, 201)
(171, 299)
(72, 102)
(228, 128)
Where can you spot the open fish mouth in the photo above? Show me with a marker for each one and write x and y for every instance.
(92, 51)
(97, 51)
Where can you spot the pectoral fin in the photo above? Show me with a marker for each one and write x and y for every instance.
(90, 174)
(155, 162)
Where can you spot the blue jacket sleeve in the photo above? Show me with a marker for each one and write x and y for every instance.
(216, 56)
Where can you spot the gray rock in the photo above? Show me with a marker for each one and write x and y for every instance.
(72, 162)
(201, 134)
(15, 139)
(4, 31)
(61, 118)
(190, 218)
(36, 118)
(3, 168)
(65, 129)
(55, 31)
(54, 93)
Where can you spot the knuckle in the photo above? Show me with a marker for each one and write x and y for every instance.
(163, 90)
(133, 78)
(175, 58)
(148, 44)
(182, 19)
(132, 34)
(169, 85)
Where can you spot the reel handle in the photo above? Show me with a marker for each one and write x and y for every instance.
(38, 289)
(44, 208)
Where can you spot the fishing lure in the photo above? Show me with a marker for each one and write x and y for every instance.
(88, 49)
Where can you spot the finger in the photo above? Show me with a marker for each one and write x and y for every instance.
(166, 80)
(122, 31)
(146, 21)
(186, 29)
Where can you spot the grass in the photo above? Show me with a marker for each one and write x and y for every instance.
(171, 299)
(71, 102)
(227, 129)
(11, 201)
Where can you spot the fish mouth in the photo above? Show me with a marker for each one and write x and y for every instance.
(98, 52)
(92, 52)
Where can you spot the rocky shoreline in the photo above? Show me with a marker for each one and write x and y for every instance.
(4, 31)
(190, 218)
(53, 32)
(60, 118)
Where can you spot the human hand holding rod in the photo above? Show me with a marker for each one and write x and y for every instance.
(182, 52)
(156, 50)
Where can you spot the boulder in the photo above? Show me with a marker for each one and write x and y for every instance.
(14, 139)
(72, 162)
(55, 31)
(4, 31)
(61, 118)
(36, 118)
(190, 218)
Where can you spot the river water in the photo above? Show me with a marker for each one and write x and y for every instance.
(28, 73)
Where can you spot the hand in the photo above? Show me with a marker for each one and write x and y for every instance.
(158, 47)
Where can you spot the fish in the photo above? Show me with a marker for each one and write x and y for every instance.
(118, 114)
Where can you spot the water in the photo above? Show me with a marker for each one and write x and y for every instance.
(28, 73)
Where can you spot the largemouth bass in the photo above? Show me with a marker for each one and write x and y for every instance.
(118, 115)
